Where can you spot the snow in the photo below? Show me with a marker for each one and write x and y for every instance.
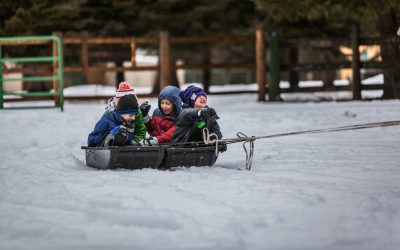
(337, 190)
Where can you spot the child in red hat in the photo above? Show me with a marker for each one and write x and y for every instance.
(124, 88)
(116, 128)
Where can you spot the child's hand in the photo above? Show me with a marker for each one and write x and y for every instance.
(129, 126)
(150, 141)
(145, 108)
(115, 130)
(118, 136)
(206, 113)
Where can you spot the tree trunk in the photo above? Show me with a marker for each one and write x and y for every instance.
(390, 54)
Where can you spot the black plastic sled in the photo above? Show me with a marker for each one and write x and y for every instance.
(158, 156)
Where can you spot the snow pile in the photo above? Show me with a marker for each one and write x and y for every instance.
(322, 191)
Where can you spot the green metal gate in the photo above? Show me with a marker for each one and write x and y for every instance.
(56, 58)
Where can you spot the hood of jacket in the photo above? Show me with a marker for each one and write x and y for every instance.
(171, 93)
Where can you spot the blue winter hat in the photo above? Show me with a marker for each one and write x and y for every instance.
(171, 93)
(128, 105)
(190, 95)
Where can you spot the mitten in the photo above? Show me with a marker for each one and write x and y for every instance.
(206, 113)
(120, 136)
(145, 108)
(211, 112)
(115, 130)
(130, 126)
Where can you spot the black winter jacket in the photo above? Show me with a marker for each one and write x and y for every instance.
(186, 126)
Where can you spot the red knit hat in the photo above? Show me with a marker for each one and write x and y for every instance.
(124, 89)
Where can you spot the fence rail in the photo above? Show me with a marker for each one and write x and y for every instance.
(266, 58)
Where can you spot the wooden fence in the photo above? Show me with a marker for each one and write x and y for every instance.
(263, 45)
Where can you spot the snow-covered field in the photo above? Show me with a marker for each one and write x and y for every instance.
(337, 190)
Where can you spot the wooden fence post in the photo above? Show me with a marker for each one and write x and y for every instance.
(85, 60)
(260, 64)
(355, 61)
(164, 59)
(273, 68)
(133, 52)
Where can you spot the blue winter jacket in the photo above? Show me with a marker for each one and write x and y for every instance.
(103, 128)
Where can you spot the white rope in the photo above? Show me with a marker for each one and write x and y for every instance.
(207, 139)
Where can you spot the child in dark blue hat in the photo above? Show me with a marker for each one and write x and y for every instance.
(196, 116)
(117, 127)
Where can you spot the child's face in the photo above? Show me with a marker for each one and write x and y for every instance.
(167, 107)
(201, 102)
(128, 117)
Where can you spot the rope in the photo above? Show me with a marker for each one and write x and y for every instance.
(249, 154)
(207, 139)
(241, 137)
(315, 131)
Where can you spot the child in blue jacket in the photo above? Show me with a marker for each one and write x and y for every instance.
(116, 127)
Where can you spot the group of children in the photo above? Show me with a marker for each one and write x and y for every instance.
(125, 122)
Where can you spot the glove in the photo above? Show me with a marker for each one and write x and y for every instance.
(145, 108)
(115, 130)
(206, 113)
(150, 141)
(118, 136)
(129, 126)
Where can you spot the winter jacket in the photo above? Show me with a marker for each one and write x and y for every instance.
(163, 126)
(139, 126)
(103, 128)
(186, 126)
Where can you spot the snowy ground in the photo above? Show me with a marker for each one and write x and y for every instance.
(336, 190)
